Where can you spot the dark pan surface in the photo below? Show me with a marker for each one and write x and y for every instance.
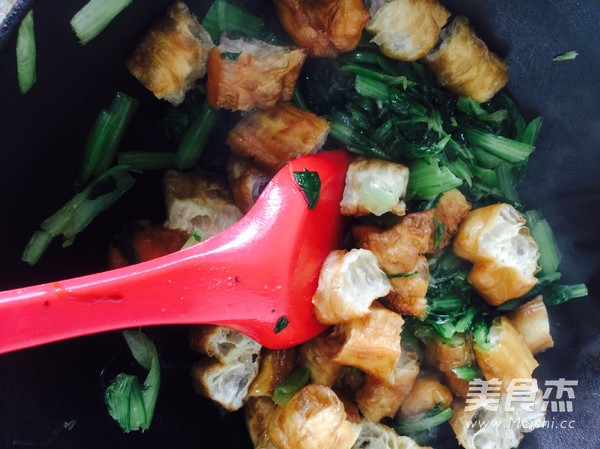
(44, 390)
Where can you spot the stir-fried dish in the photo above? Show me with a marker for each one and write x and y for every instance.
(436, 304)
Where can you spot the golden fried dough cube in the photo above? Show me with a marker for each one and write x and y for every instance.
(531, 321)
(349, 282)
(464, 63)
(406, 29)
(274, 367)
(224, 344)
(317, 355)
(426, 393)
(508, 357)
(275, 136)
(244, 73)
(198, 203)
(246, 180)
(511, 422)
(379, 399)
(378, 436)
(325, 27)
(258, 414)
(226, 384)
(374, 186)
(314, 418)
(399, 251)
(451, 209)
(172, 56)
(371, 343)
(446, 356)
(504, 254)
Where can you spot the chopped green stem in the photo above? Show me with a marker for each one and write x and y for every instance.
(105, 136)
(532, 131)
(466, 319)
(480, 335)
(558, 294)
(90, 20)
(26, 54)
(77, 213)
(502, 147)
(408, 427)
(146, 160)
(191, 147)
(375, 75)
(121, 109)
(298, 100)
(542, 233)
(467, 372)
(291, 385)
(371, 88)
(224, 16)
(471, 107)
(428, 179)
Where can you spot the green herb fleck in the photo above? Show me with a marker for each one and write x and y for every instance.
(467, 372)
(130, 403)
(566, 56)
(440, 229)
(290, 385)
(230, 56)
(310, 183)
(402, 275)
(281, 324)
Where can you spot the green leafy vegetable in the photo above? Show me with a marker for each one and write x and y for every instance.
(401, 275)
(26, 54)
(194, 141)
(281, 324)
(310, 183)
(224, 16)
(77, 213)
(467, 372)
(143, 160)
(129, 403)
(542, 233)
(230, 56)
(291, 385)
(566, 56)
(90, 20)
(104, 139)
(433, 418)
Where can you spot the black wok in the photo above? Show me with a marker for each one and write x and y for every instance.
(52, 396)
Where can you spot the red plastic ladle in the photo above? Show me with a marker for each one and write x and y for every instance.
(258, 277)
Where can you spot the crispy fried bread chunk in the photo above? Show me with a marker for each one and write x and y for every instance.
(426, 393)
(323, 27)
(509, 422)
(378, 436)
(314, 418)
(506, 356)
(406, 29)
(444, 356)
(258, 413)
(502, 250)
(224, 344)
(318, 354)
(172, 55)
(378, 399)
(374, 186)
(531, 320)
(371, 343)
(349, 282)
(197, 203)
(244, 73)
(275, 136)
(246, 180)
(274, 367)
(464, 63)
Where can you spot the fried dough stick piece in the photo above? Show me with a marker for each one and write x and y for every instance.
(244, 73)
(464, 63)
(406, 29)
(314, 418)
(172, 55)
(275, 136)
(323, 27)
